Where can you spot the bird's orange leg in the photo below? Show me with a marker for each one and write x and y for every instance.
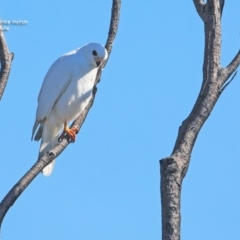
(70, 132)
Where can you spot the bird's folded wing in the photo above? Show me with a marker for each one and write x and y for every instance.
(54, 84)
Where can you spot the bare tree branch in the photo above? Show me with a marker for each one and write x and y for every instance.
(224, 86)
(22, 184)
(229, 70)
(6, 59)
(173, 168)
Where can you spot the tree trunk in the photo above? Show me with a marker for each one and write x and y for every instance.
(173, 168)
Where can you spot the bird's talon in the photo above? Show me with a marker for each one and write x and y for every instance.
(69, 133)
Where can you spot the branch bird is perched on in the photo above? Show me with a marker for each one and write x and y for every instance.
(65, 92)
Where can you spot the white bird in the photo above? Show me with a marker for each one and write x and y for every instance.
(65, 92)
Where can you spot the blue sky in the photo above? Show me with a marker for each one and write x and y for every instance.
(106, 185)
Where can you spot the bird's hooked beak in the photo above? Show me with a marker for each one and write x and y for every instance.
(98, 61)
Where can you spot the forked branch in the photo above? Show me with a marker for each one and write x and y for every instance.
(200, 7)
(173, 168)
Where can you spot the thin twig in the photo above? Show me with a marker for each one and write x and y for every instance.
(233, 65)
(224, 86)
(222, 2)
(200, 6)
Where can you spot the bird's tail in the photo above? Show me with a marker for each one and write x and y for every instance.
(49, 141)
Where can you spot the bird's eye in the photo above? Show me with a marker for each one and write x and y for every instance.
(94, 53)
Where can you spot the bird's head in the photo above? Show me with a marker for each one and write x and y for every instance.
(95, 53)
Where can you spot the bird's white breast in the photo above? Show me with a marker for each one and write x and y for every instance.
(76, 96)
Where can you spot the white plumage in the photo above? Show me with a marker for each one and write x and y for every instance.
(65, 92)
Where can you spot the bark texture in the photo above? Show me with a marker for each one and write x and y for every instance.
(22, 184)
(173, 168)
